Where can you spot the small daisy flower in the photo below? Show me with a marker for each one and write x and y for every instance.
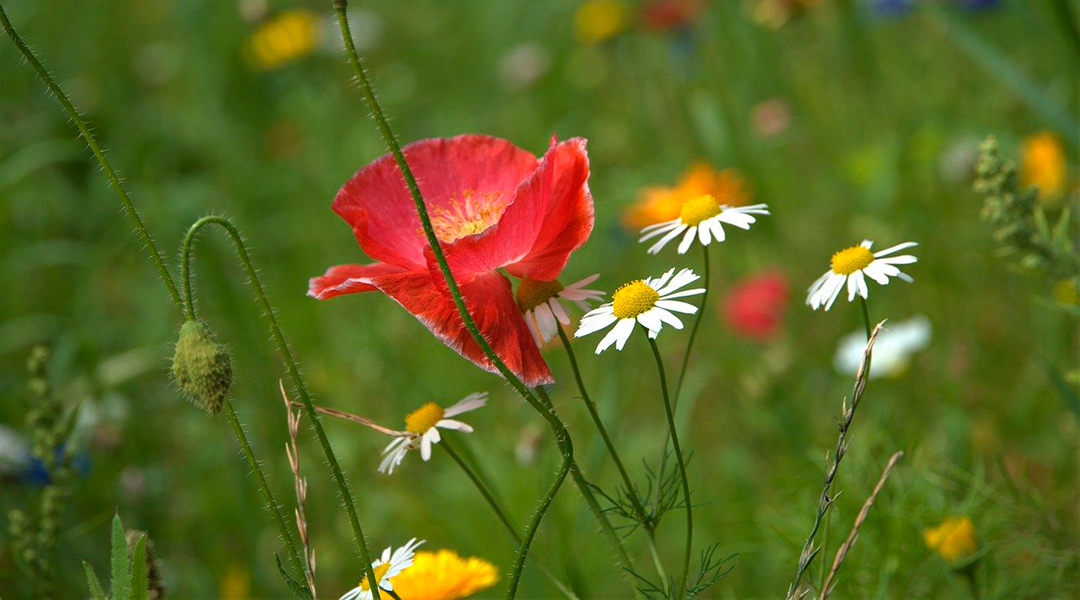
(852, 266)
(422, 427)
(539, 303)
(390, 565)
(701, 218)
(650, 302)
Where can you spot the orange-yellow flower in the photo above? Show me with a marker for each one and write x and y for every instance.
(659, 204)
(954, 539)
(1044, 164)
(444, 575)
(283, 39)
(599, 20)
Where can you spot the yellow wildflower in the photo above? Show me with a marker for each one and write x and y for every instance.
(283, 39)
(600, 20)
(444, 575)
(659, 204)
(235, 583)
(954, 539)
(1044, 164)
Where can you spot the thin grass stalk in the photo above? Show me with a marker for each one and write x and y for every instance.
(562, 436)
(682, 465)
(291, 366)
(825, 501)
(292, 451)
(829, 582)
(99, 154)
(639, 508)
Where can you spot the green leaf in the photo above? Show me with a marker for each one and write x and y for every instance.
(92, 582)
(299, 590)
(139, 584)
(121, 568)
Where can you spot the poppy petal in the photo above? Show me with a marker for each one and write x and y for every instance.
(347, 279)
(377, 203)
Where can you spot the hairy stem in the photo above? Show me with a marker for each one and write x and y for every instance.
(264, 487)
(91, 142)
(562, 436)
(290, 364)
(682, 466)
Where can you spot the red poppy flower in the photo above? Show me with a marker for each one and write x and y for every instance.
(754, 307)
(493, 206)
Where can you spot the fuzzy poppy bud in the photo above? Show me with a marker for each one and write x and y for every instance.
(202, 367)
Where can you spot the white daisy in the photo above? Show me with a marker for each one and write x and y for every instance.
(389, 565)
(650, 302)
(539, 304)
(422, 428)
(701, 218)
(852, 266)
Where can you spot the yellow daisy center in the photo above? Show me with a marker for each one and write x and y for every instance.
(532, 293)
(423, 418)
(634, 298)
(379, 572)
(849, 260)
(467, 213)
(697, 210)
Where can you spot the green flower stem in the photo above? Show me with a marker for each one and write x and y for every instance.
(264, 487)
(693, 333)
(498, 510)
(682, 465)
(91, 142)
(562, 436)
(639, 508)
(290, 364)
(866, 316)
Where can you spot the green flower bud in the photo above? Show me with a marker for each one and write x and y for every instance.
(202, 367)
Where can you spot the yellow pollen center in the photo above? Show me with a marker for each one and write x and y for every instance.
(467, 213)
(423, 418)
(379, 572)
(849, 260)
(697, 210)
(532, 293)
(633, 299)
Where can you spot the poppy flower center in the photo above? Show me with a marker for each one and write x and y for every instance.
(532, 293)
(697, 210)
(379, 572)
(467, 213)
(633, 299)
(423, 418)
(849, 260)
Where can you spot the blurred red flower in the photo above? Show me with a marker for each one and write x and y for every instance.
(754, 308)
(665, 15)
(493, 206)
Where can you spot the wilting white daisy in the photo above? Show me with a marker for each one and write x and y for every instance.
(422, 426)
(852, 266)
(650, 302)
(389, 565)
(701, 218)
(539, 303)
(892, 350)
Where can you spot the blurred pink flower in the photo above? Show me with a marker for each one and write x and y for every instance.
(754, 307)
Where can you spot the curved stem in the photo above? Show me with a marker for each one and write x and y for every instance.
(682, 466)
(562, 436)
(91, 142)
(866, 317)
(489, 497)
(693, 331)
(294, 373)
(264, 487)
(639, 508)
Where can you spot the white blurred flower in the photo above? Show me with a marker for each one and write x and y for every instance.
(892, 351)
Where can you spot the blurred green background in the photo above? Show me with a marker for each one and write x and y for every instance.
(850, 119)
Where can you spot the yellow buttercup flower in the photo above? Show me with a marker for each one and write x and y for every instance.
(660, 204)
(600, 20)
(283, 39)
(1044, 164)
(954, 539)
(444, 575)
